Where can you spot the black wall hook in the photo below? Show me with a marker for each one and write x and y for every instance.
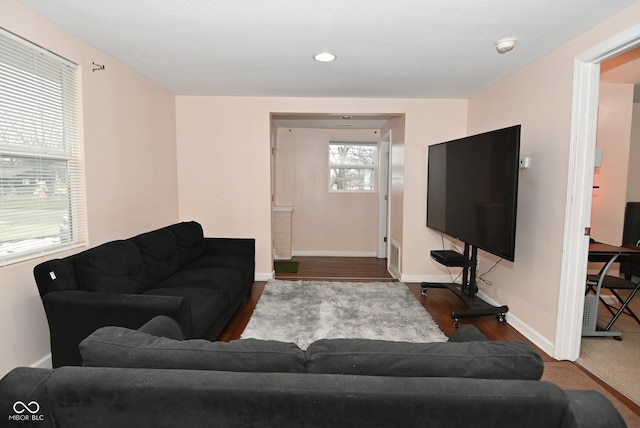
(98, 66)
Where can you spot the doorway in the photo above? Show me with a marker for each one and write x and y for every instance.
(579, 189)
(327, 222)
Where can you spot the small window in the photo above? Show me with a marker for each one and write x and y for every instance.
(41, 170)
(352, 166)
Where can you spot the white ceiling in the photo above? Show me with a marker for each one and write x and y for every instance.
(385, 49)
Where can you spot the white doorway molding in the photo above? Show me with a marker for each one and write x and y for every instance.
(383, 195)
(584, 119)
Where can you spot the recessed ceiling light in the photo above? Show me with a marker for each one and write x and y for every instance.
(324, 57)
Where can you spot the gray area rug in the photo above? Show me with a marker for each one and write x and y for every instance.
(615, 362)
(304, 311)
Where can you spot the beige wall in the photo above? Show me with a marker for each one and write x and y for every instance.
(540, 98)
(324, 222)
(224, 169)
(224, 165)
(615, 112)
(129, 137)
(438, 121)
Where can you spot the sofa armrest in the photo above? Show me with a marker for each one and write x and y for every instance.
(467, 333)
(591, 409)
(25, 385)
(74, 315)
(163, 326)
(242, 247)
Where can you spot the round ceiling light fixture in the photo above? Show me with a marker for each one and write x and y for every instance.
(324, 57)
(506, 44)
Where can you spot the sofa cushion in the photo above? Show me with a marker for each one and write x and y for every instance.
(206, 305)
(159, 254)
(114, 267)
(122, 347)
(109, 397)
(227, 281)
(223, 260)
(242, 265)
(189, 241)
(478, 359)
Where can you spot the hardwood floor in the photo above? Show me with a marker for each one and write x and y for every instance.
(339, 268)
(438, 302)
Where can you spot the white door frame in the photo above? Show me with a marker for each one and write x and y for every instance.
(383, 194)
(586, 86)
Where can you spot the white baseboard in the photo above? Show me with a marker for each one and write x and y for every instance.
(44, 363)
(335, 253)
(425, 278)
(260, 276)
(541, 342)
(524, 329)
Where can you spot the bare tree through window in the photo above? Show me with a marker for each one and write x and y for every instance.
(352, 166)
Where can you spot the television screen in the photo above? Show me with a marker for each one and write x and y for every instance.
(472, 189)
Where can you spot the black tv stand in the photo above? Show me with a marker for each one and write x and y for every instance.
(468, 288)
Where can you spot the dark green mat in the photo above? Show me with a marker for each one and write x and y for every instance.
(285, 266)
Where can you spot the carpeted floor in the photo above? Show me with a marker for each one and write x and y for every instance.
(615, 362)
(567, 376)
(304, 311)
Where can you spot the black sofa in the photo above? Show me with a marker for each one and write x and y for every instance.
(175, 271)
(132, 378)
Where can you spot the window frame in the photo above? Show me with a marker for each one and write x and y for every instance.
(372, 167)
(40, 132)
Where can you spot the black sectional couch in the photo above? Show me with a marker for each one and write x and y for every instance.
(175, 271)
(134, 378)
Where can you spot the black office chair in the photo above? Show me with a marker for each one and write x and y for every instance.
(615, 284)
(629, 268)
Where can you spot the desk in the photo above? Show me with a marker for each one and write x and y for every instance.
(607, 254)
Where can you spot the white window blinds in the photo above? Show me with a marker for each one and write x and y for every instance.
(42, 198)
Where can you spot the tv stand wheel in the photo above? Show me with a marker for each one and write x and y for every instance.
(501, 317)
(618, 338)
(456, 323)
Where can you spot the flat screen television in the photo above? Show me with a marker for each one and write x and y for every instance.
(472, 189)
